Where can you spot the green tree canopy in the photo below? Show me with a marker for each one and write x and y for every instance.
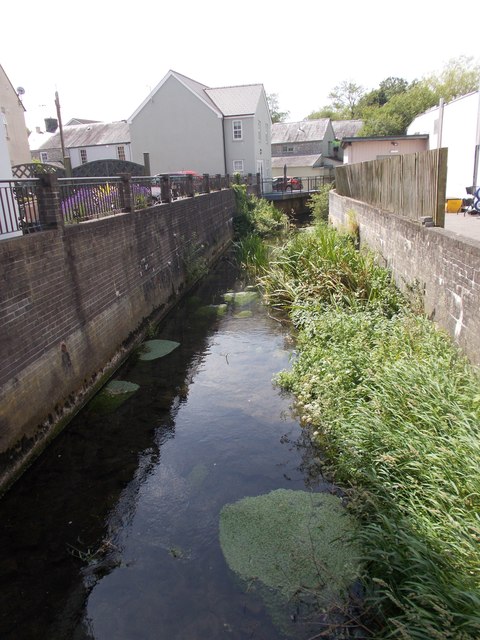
(460, 76)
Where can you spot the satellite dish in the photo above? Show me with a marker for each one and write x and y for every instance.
(20, 91)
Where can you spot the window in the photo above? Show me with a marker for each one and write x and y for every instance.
(237, 130)
(43, 156)
(287, 149)
(121, 152)
(259, 130)
(238, 166)
(83, 156)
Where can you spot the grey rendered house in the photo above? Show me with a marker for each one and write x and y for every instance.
(304, 147)
(185, 125)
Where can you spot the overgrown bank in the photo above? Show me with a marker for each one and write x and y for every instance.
(395, 410)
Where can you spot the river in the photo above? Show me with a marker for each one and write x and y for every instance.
(112, 534)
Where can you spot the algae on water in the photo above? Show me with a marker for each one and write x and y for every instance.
(241, 298)
(153, 349)
(292, 541)
(114, 394)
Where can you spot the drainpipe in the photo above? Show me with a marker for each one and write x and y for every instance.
(440, 122)
(224, 147)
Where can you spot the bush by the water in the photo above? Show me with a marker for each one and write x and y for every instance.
(318, 203)
(255, 215)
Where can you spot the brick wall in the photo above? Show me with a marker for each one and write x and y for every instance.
(73, 302)
(441, 264)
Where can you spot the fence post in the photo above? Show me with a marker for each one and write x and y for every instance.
(441, 187)
(125, 192)
(48, 201)
(206, 183)
(227, 181)
(166, 193)
(189, 186)
(259, 186)
(218, 182)
(146, 164)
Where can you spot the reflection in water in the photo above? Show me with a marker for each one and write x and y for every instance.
(113, 532)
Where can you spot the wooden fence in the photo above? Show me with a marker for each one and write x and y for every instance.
(412, 185)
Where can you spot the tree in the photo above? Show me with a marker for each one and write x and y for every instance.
(273, 105)
(324, 112)
(460, 76)
(386, 90)
(345, 98)
(395, 115)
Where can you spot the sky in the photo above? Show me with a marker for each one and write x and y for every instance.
(105, 57)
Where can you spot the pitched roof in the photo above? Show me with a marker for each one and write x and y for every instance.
(346, 128)
(79, 121)
(238, 100)
(89, 135)
(241, 100)
(313, 160)
(304, 131)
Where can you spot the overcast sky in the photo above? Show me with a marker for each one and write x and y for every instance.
(104, 57)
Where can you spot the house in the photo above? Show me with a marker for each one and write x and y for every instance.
(344, 129)
(458, 130)
(186, 125)
(305, 147)
(12, 122)
(86, 142)
(9, 213)
(361, 149)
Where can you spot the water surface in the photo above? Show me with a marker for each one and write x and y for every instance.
(113, 532)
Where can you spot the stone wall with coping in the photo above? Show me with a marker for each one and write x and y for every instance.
(442, 265)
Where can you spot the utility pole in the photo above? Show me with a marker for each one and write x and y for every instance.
(66, 160)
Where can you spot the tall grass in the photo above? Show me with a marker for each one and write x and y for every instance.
(321, 268)
(396, 410)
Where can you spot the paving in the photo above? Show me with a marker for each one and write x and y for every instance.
(464, 225)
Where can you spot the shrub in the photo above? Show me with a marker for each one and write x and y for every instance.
(318, 203)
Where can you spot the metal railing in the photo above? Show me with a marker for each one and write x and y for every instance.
(24, 203)
(89, 198)
(18, 207)
(297, 184)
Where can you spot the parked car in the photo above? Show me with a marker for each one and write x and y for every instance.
(292, 184)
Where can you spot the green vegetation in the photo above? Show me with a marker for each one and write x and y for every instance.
(395, 409)
(298, 545)
(255, 215)
(318, 203)
(113, 395)
(153, 349)
(390, 108)
(273, 105)
(255, 220)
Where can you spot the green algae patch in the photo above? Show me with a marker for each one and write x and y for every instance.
(114, 394)
(211, 311)
(243, 314)
(241, 298)
(294, 542)
(153, 349)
